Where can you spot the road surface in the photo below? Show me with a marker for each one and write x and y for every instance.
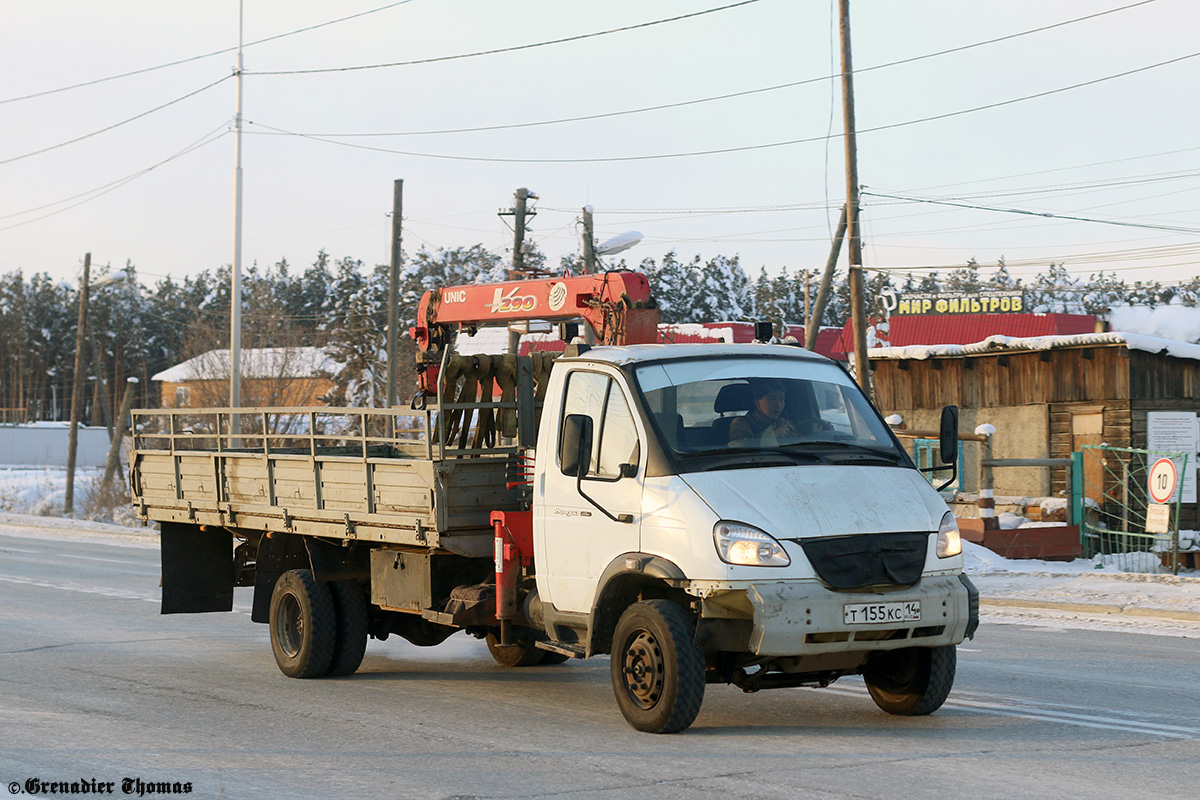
(95, 685)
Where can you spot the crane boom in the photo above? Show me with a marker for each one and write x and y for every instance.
(617, 305)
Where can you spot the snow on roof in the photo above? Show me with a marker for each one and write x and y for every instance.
(992, 344)
(262, 362)
(492, 340)
(1178, 322)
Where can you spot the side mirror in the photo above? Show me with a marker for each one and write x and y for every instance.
(948, 437)
(575, 447)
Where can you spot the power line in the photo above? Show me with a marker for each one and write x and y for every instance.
(116, 125)
(100, 191)
(1046, 214)
(683, 213)
(512, 49)
(200, 57)
(698, 101)
(738, 149)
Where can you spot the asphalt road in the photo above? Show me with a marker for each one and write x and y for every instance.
(96, 685)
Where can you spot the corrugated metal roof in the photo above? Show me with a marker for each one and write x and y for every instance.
(918, 329)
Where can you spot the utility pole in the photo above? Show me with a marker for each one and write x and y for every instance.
(520, 213)
(235, 294)
(810, 333)
(121, 428)
(77, 389)
(393, 334)
(862, 367)
(807, 313)
(589, 242)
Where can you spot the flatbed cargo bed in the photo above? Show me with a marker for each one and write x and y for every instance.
(316, 473)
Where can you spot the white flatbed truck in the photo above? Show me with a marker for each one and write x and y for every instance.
(624, 522)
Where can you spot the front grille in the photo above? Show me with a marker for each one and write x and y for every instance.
(878, 560)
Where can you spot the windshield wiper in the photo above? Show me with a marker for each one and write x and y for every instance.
(749, 457)
(845, 445)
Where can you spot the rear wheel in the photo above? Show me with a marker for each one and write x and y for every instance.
(303, 625)
(913, 681)
(350, 640)
(657, 672)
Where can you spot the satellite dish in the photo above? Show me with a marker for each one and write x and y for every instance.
(619, 243)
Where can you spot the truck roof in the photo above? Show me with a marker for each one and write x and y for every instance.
(639, 353)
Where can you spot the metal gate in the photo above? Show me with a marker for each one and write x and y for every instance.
(1111, 500)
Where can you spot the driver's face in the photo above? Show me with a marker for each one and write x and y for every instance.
(771, 404)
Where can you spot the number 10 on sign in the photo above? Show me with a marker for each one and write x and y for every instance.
(1162, 480)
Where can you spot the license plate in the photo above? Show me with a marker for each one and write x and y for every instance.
(876, 613)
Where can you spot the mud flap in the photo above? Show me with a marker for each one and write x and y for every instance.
(197, 569)
(972, 606)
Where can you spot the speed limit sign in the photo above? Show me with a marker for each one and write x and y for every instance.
(1162, 480)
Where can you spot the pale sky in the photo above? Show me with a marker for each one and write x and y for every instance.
(1123, 149)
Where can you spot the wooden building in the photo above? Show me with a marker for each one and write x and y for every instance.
(1046, 396)
(271, 376)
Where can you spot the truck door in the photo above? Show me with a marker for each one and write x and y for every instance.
(577, 539)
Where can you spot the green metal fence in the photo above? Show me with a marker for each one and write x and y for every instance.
(1111, 500)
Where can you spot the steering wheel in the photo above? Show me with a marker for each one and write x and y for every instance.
(810, 426)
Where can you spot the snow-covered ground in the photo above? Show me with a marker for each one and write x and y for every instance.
(42, 491)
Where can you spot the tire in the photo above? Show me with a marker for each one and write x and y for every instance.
(657, 672)
(303, 625)
(350, 639)
(550, 658)
(522, 654)
(913, 681)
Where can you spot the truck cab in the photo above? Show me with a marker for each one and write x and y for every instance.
(809, 551)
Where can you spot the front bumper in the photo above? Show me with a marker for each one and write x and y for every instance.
(796, 618)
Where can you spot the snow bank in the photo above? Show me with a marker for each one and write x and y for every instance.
(42, 492)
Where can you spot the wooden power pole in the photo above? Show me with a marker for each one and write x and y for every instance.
(520, 212)
(121, 427)
(77, 387)
(822, 300)
(862, 367)
(589, 242)
(393, 334)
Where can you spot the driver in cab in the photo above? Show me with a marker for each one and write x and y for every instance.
(764, 423)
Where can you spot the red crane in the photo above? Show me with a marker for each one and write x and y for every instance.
(617, 305)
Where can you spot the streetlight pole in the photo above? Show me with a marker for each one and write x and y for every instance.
(235, 299)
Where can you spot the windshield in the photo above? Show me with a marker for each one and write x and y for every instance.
(721, 407)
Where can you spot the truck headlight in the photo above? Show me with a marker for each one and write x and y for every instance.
(746, 546)
(949, 543)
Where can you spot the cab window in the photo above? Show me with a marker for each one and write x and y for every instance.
(614, 434)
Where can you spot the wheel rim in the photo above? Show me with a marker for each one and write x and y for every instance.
(289, 626)
(644, 669)
(901, 676)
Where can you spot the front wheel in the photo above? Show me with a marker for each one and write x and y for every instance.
(303, 625)
(913, 681)
(657, 672)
